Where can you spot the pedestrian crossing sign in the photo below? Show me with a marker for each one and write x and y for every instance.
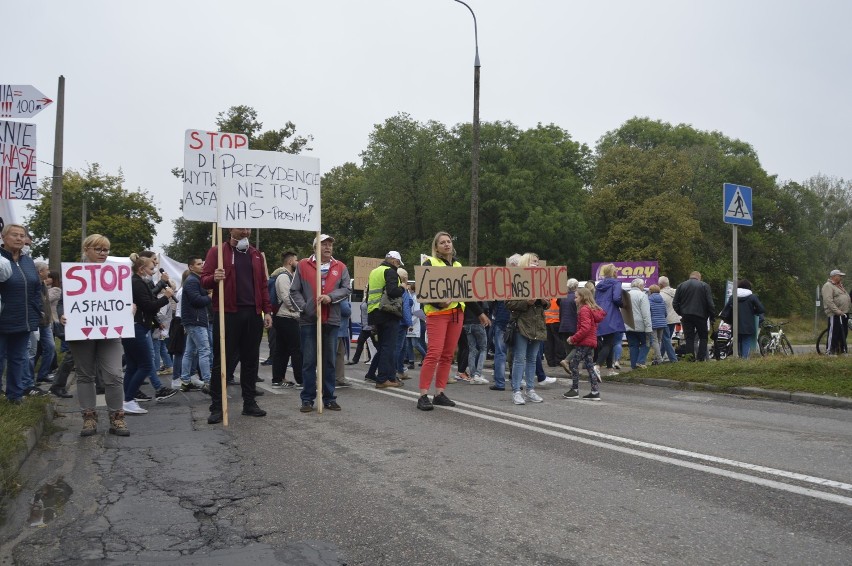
(737, 205)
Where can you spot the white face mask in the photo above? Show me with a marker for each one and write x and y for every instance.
(243, 244)
(148, 277)
(25, 250)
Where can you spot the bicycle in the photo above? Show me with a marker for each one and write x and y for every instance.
(822, 344)
(774, 342)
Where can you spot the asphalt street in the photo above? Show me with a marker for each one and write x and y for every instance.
(646, 476)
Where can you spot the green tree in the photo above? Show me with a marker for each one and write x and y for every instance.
(194, 238)
(127, 218)
(347, 213)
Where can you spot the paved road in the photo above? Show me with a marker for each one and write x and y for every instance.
(648, 475)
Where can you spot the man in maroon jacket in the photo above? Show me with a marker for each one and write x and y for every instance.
(246, 299)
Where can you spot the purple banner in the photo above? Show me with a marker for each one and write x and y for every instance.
(627, 271)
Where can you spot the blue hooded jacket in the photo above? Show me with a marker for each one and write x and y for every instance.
(658, 311)
(608, 297)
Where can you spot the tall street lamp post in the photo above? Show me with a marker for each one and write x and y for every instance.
(474, 153)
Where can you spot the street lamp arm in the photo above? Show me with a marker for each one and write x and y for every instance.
(475, 33)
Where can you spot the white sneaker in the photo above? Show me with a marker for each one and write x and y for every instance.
(616, 365)
(518, 398)
(547, 381)
(478, 379)
(176, 383)
(133, 408)
(598, 373)
(196, 381)
(533, 396)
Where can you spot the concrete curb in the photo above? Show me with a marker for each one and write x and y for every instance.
(31, 438)
(795, 397)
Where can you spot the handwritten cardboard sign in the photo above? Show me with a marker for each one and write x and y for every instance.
(268, 189)
(491, 283)
(363, 267)
(17, 160)
(199, 171)
(98, 301)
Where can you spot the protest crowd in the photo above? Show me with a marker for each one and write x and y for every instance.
(174, 343)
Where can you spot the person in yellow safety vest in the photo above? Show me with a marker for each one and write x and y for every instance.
(554, 346)
(385, 280)
(444, 321)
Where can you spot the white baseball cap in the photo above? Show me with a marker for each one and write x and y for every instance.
(323, 237)
(836, 272)
(396, 256)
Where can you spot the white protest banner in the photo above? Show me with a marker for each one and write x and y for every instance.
(21, 101)
(98, 301)
(17, 160)
(268, 189)
(199, 170)
(492, 283)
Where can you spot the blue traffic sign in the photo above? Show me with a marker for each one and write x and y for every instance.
(736, 207)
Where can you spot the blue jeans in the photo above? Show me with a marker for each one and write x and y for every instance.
(162, 358)
(385, 358)
(139, 360)
(29, 374)
(308, 335)
(197, 347)
(477, 344)
(155, 379)
(14, 349)
(523, 363)
(48, 351)
(746, 341)
(499, 356)
(638, 344)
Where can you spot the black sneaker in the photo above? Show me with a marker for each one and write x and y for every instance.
(215, 418)
(496, 388)
(266, 362)
(60, 392)
(287, 385)
(594, 396)
(573, 394)
(424, 404)
(164, 393)
(205, 389)
(36, 392)
(307, 408)
(253, 411)
(141, 397)
(333, 406)
(442, 400)
(189, 386)
(259, 379)
(277, 383)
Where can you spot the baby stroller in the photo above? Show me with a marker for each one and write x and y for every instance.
(723, 341)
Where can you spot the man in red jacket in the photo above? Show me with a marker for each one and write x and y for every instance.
(246, 300)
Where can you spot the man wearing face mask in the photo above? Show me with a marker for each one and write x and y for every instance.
(246, 298)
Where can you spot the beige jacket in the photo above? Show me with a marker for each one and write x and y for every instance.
(835, 299)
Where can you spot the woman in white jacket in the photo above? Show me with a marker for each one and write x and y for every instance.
(638, 334)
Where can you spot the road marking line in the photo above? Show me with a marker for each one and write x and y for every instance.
(468, 409)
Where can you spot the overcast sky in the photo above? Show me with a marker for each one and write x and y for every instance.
(773, 73)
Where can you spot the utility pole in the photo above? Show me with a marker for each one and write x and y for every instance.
(55, 252)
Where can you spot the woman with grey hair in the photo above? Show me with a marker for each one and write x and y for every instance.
(637, 333)
(672, 318)
(568, 321)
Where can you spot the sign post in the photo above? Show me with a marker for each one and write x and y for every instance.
(736, 210)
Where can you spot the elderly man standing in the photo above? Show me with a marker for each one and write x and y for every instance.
(835, 301)
(384, 280)
(693, 301)
(322, 304)
(246, 300)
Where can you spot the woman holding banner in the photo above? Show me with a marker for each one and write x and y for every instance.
(443, 325)
(529, 339)
(99, 357)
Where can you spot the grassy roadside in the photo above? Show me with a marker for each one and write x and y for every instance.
(807, 373)
(14, 420)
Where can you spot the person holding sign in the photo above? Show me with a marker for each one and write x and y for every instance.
(22, 307)
(246, 298)
(444, 322)
(529, 339)
(99, 357)
(323, 306)
(385, 291)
